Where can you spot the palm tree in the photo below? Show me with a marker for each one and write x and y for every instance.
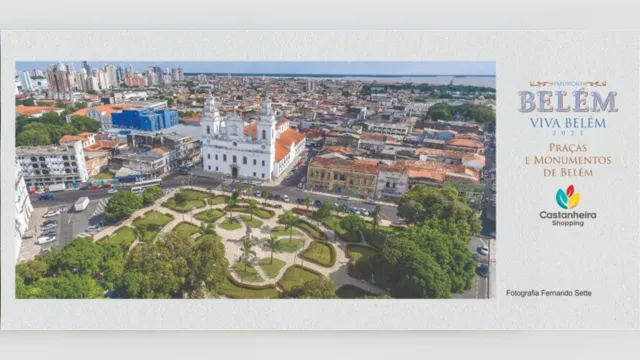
(290, 221)
(307, 202)
(207, 228)
(248, 254)
(231, 202)
(273, 244)
(375, 215)
(253, 206)
(265, 196)
(249, 191)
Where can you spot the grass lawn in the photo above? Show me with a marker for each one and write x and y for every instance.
(311, 230)
(196, 195)
(357, 252)
(207, 237)
(351, 292)
(259, 212)
(319, 253)
(229, 289)
(230, 224)
(291, 247)
(210, 215)
(281, 231)
(186, 207)
(102, 176)
(124, 237)
(153, 222)
(218, 199)
(333, 223)
(255, 223)
(271, 269)
(377, 238)
(295, 275)
(248, 274)
(185, 230)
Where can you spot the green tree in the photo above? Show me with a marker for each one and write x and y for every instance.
(265, 196)
(151, 194)
(82, 257)
(208, 268)
(112, 273)
(170, 102)
(290, 221)
(248, 254)
(325, 211)
(307, 202)
(273, 245)
(85, 124)
(353, 223)
(231, 203)
(121, 205)
(253, 207)
(63, 286)
(181, 198)
(32, 271)
(375, 216)
(33, 138)
(441, 208)
(319, 288)
(29, 102)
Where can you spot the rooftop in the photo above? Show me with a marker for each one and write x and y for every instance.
(34, 110)
(104, 109)
(44, 150)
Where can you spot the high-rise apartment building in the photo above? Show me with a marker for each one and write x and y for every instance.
(58, 79)
(25, 81)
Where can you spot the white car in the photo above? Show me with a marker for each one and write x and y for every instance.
(370, 201)
(46, 239)
(51, 213)
(285, 198)
(484, 250)
(93, 228)
(112, 191)
(84, 234)
(50, 226)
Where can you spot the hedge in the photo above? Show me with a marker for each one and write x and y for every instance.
(303, 223)
(279, 283)
(257, 213)
(249, 286)
(332, 254)
(301, 211)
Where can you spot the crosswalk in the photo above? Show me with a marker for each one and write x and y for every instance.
(100, 208)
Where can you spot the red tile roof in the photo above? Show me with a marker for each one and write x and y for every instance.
(106, 109)
(464, 143)
(34, 110)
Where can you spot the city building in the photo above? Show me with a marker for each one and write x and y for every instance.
(46, 165)
(25, 81)
(262, 149)
(97, 161)
(86, 138)
(399, 129)
(339, 138)
(24, 209)
(145, 119)
(58, 79)
(465, 145)
(183, 150)
(393, 181)
(102, 113)
(36, 111)
(350, 177)
(136, 80)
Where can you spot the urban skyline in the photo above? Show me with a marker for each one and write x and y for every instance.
(405, 68)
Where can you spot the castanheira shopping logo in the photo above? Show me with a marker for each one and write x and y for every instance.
(567, 199)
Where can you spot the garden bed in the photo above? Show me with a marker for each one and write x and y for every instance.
(240, 291)
(333, 223)
(281, 231)
(252, 223)
(230, 224)
(272, 269)
(247, 274)
(296, 275)
(185, 230)
(212, 215)
(151, 224)
(292, 246)
(259, 212)
(124, 237)
(320, 253)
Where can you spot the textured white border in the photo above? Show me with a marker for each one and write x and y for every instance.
(526, 258)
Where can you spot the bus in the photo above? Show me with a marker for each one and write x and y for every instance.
(147, 183)
(136, 189)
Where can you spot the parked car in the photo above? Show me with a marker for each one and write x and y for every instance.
(93, 228)
(47, 222)
(300, 185)
(370, 201)
(285, 198)
(49, 226)
(257, 193)
(49, 233)
(300, 201)
(51, 213)
(84, 234)
(345, 198)
(46, 197)
(112, 191)
(317, 203)
(484, 250)
(483, 270)
(46, 239)
(277, 197)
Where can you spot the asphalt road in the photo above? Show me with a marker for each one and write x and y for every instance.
(480, 286)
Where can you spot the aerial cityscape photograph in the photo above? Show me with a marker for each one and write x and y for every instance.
(255, 180)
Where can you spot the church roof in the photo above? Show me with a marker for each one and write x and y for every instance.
(254, 130)
(281, 151)
(290, 135)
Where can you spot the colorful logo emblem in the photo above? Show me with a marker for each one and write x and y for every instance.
(568, 199)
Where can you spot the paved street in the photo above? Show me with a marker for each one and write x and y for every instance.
(481, 285)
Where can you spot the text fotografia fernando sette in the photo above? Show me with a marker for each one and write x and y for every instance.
(548, 293)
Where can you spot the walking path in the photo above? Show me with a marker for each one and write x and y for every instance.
(232, 240)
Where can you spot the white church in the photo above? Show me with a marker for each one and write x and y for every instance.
(260, 150)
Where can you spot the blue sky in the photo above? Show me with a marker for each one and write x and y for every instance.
(301, 67)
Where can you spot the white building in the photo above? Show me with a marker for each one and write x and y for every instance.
(111, 75)
(262, 149)
(23, 208)
(46, 165)
(393, 181)
(389, 128)
(25, 81)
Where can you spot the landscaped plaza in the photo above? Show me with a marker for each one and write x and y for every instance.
(204, 243)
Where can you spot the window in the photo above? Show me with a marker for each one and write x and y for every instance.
(216, 156)
(351, 182)
(216, 168)
(264, 135)
(209, 156)
(254, 174)
(74, 163)
(244, 160)
(73, 157)
(255, 162)
(224, 157)
(263, 175)
(210, 167)
(235, 159)
(208, 129)
(263, 163)
(65, 157)
(33, 158)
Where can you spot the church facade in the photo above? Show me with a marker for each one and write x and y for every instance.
(261, 150)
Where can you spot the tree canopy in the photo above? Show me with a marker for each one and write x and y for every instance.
(319, 288)
(480, 114)
(353, 223)
(50, 127)
(121, 206)
(151, 194)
